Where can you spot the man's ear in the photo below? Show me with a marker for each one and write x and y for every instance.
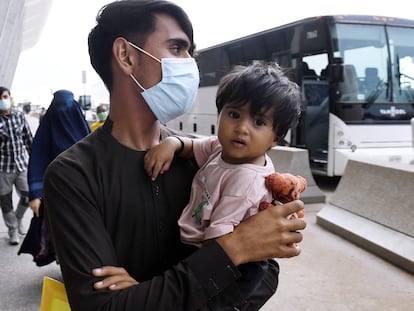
(123, 56)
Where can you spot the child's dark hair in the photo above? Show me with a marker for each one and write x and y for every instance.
(264, 86)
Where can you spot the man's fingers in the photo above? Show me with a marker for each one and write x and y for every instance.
(108, 270)
(292, 251)
(122, 284)
(296, 224)
(295, 237)
(292, 207)
(115, 278)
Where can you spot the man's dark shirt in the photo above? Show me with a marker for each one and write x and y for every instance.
(104, 209)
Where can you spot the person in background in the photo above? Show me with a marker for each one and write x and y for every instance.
(257, 105)
(102, 113)
(109, 221)
(42, 113)
(15, 143)
(63, 124)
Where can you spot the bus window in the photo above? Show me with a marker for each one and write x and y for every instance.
(308, 73)
(371, 80)
(348, 87)
(316, 62)
(315, 92)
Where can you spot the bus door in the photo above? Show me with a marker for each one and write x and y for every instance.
(315, 122)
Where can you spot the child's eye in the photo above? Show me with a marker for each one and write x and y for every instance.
(259, 122)
(234, 115)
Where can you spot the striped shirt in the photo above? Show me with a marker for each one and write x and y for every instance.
(15, 142)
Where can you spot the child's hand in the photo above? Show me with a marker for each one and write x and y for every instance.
(159, 158)
(116, 278)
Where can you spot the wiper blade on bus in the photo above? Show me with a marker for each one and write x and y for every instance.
(375, 93)
(401, 74)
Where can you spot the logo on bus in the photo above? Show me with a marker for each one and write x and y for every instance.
(393, 111)
(312, 34)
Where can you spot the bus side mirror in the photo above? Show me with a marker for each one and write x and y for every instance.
(337, 73)
(336, 70)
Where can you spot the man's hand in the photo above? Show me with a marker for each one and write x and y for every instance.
(265, 235)
(116, 278)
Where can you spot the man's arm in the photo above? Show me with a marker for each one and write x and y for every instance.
(276, 233)
(83, 243)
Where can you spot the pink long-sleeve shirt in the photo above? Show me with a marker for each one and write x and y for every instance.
(222, 194)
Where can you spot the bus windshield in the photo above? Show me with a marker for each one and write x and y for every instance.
(377, 72)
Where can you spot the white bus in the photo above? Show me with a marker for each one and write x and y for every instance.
(357, 80)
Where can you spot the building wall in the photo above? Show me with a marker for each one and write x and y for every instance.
(21, 23)
(11, 29)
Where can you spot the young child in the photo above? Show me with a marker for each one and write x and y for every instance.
(257, 105)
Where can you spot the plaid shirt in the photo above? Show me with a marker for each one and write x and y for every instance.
(15, 142)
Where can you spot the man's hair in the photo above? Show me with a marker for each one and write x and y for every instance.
(265, 87)
(133, 20)
(4, 89)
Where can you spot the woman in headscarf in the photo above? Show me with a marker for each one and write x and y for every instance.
(62, 126)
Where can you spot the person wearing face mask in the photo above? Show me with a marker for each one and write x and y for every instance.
(178, 87)
(15, 144)
(102, 114)
(115, 230)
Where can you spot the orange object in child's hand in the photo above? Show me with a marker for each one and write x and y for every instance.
(285, 188)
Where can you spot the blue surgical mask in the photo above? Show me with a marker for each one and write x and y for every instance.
(5, 104)
(175, 93)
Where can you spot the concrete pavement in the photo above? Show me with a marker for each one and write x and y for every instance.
(331, 274)
(20, 279)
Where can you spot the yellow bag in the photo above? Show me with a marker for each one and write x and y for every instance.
(54, 296)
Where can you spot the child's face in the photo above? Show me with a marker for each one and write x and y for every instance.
(245, 138)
